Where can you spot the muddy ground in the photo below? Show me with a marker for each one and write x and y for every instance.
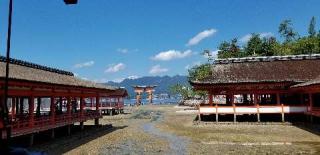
(162, 130)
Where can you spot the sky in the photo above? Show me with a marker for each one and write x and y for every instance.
(109, 40)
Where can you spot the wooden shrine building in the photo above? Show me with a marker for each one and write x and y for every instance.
(276, 85)
(41, 98)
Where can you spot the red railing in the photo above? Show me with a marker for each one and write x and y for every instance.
(24, 126)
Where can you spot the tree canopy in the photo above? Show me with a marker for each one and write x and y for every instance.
(257, 45)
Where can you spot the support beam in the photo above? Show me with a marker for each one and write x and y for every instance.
(13, 108)
(258, 112)
(234, 108)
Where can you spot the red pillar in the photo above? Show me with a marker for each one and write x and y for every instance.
(81, 106)
(69, 107)
(13, 108)
(52, 110)
(97, 103)
(278, 99)
(210, 99)
(310, 101)
(31, 110)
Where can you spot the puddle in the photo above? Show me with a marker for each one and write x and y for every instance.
(177, 144)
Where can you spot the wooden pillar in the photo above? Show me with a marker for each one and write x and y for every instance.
(282, 113)
(69, 110)
(234, 108)
(81, 106)
(199, 114)
(21, 105)
(31, 139)
(210, 99)
(52, 134)
(52, 110)
(13, 108)
(217, 113)
(310, 101)
(255, 102)
(278, 99)
(96, 121)
(17, 106)
(31, 110)
(69, 130)
(38, 113)
(60, 104)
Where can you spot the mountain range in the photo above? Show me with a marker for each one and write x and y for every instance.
(163, 83)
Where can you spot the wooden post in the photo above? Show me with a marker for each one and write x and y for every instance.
(81, 106)
(217, 113)
(310, 102)
(13, 108)
(282, 112)
(278, 99)
(31, 139)
(210, 99)
(38, 107)
(53, 110)
(255, 102)
(199, 114)
(69, 108)
(96, 121)
(234, 108)
(21, 105)
(258, 113)
(31, 110)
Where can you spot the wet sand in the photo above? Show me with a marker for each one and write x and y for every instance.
(162, 130)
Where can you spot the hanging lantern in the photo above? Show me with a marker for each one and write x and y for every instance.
(71, 1)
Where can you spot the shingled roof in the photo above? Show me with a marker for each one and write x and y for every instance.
(296, 69)
(22, 70)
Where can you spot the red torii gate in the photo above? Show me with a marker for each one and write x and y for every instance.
(141, 89)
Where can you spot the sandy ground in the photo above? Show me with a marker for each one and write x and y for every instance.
(162, 130)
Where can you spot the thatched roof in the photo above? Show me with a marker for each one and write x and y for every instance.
(296, 69)
(315, 81)
(22, 70)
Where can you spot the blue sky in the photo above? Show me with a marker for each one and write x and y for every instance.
(104, 40)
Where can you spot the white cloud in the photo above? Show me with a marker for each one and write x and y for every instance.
(157, 70)
(200, 36)
(85, 64)
(247, 37)
(115, 68)
(266, 34)
(125, 50)
(122, 50)
(171, 54)
(132, 77)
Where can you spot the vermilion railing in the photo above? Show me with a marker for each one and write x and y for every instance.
(23, 125)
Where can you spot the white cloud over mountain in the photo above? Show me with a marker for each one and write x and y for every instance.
(247, 37)
(157, 69)
(84, 64)
(171, 54)
(115, 68)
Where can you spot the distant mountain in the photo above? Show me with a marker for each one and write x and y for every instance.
(163, 83)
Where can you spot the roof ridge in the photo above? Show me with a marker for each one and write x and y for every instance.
(35, 66)
(267, 58)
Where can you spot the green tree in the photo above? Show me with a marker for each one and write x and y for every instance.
(286, 31)
(312, 27)
(199, 72)
(254, 45)
(229, 49)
